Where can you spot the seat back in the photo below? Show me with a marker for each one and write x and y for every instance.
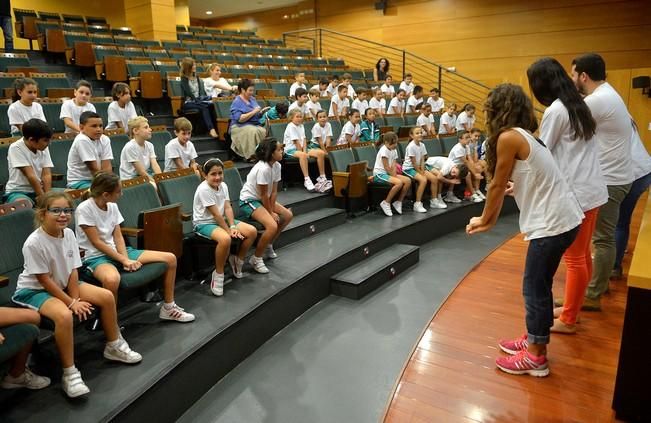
(137, 195)
(117, 144)
(340, 159)
(433, 147)
(179, 186)
(336, 129)
(394, 121)
(281, 88)
(277, 129)
(402, 147)
(13, 59)
(160, 140)
(101, 107)
(233, 180)
(52, 111)
(223, 108)
(16, 226)
(447, 142)
(366, 153)
(4, 169)
(59, 150)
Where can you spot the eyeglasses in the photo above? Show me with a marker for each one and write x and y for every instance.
(59, 210)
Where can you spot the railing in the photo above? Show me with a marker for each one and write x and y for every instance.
(359, 53)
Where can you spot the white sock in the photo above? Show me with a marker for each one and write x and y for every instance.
(114, 343)
(307, 178)
(69, 370)
(168, 305)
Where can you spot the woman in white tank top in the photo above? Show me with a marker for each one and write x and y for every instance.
(567, 128)
(549, 217)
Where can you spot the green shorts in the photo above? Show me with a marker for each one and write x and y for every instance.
(32, 298)
(409, 172)
(205, 230)
(289, 154)
(93, 262)
(10, 197)
(313, 146)
(247, 207)
(80, 184)
(382, 178)
(429, 168)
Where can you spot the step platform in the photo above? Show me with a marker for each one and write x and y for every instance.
(378, 269)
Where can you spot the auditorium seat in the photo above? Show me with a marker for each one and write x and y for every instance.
(52, 111)
(53, 84)
(447, 142)
(433, 147)
(13, 59)
(17, 222)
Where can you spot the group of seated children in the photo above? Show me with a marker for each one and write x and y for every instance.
(462, 164)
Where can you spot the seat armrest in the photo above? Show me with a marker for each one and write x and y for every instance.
(186, 217)
(134, 232)
(4, 281)
(57, 176)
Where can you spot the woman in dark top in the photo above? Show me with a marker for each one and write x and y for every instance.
(245, 127)
(381, 70)
(194, 95)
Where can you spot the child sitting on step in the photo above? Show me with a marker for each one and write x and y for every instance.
(384, 172)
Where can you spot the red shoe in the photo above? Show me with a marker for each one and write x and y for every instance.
(514, 346)
(523, 364)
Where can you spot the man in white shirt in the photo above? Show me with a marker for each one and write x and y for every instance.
(613, 138)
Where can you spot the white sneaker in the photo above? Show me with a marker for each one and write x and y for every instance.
(258, 264)
(217, 283)
(397, 206)
(451, 198)
(269, 252)
(418, 207)
(327, 185)
(309, 185)
(175, 313)
(73, 385)
(475, 198)
(386, 208)
(121, 352)
(480, 194)
(27, 380)
(435, 203)
(236, 266)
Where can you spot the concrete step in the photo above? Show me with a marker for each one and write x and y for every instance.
(368, 275)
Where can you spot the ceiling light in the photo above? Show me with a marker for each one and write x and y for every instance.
(208, 12)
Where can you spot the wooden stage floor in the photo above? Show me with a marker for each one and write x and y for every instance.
(451, 375)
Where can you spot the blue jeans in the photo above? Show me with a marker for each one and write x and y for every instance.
(208, 114)
(625, 212)
(543, 257)
(8, 31)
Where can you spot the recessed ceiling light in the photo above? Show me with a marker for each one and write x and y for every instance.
(208, 12)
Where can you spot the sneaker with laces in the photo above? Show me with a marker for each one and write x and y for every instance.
(217, 283)
(269, 252)
(418, 207)
(318, 187)
(327, 185)
(73, 385)
(475, 198)
(121, 351)
(258, 264)
(176, 313)
(27, 380)
(481, 194)
(451, 198)
(309, 185)
(514, 346)
(236, 266)
(523, 363)
(386, 208)
(397, 206)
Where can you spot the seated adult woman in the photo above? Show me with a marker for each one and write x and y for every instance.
(246, 131)
(194, 94)
(215, 85)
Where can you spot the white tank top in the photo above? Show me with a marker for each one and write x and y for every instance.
(547, 205)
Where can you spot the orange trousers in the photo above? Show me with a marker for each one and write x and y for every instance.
(578, 260)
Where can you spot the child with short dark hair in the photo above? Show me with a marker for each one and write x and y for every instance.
(339, 103)
(384, 172)
(301, 102)
(415, 99)
(72, 109)
(180, 152)
(321, 132)
(321, 87)
(346, 80)
(407, 84)
(387, 88)
(90, 152)
(351, 130)
(460, 155)
(360, 103)
(299, 82)
(278, 111)
(29, 161)
(437, 103)
(332, 87)
(397, 104)
(369, 130)
(313, 104)
(121, 109)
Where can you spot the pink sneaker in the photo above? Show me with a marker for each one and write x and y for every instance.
(514, 346)
(523, 363)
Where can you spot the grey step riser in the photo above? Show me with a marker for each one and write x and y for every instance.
(378, 278)
(308, 229)
(311, 204)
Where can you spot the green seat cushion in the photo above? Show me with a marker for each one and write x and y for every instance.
(17, 337)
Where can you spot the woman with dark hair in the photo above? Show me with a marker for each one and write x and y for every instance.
(381, 69)
(550, 216)
(567, 128)
(246, 131)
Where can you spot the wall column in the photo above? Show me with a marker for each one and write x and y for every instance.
(151, 19)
